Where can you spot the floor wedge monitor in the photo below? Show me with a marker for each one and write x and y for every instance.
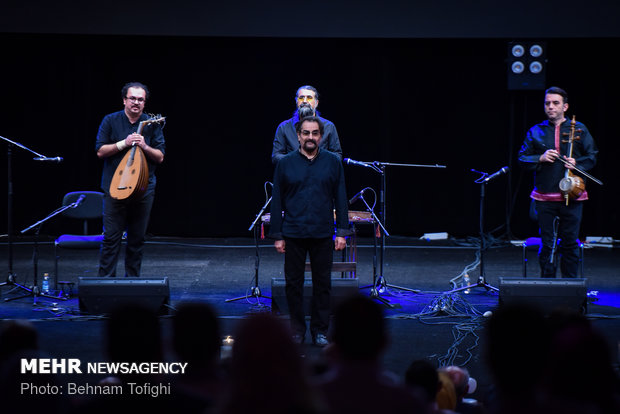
(341, 289)
(546, 294)
(101, 295)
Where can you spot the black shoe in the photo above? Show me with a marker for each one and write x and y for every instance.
(298, 339)
(320, 340)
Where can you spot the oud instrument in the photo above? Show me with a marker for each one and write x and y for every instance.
(131, 177)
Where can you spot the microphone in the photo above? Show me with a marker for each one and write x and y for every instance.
(504, 170)
(79, 201)
(54, 159)
(357, 196)
(353, 162)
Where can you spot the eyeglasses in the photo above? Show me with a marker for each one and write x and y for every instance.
(135, 99)
(306, 133)
(302, 98)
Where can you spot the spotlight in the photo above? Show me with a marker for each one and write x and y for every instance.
(536, 50)
(518, 50)
(526, 65)
(517, 67)
(536, 67)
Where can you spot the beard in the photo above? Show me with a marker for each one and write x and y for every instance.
(310, 145)
(305, 110)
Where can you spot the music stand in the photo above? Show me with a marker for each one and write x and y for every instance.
(11, 277)
(379, 167)
(255, 290)
(481, 282)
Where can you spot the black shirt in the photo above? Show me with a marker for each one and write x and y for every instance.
(286, 140)
(115, 127)
(540, 138)
(307, 192)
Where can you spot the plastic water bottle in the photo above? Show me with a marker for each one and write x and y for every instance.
(45, 286)
(466, 282)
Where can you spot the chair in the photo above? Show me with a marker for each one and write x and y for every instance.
(537, 242)
(348, 265)
(90, 208)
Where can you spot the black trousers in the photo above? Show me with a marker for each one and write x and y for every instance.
(120, 216)
(568, 232)
(321, 258)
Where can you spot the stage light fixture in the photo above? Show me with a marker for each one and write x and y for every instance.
(526, 65)
(517, 67)
(518, 50)
(536, 67)
(536, 50)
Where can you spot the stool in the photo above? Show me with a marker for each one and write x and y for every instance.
(537, 242)
(66, 289)
(339, 267)
(348, 265)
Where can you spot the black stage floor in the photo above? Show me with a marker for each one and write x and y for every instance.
(215, 270)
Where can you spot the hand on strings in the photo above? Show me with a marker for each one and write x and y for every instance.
(569, 162)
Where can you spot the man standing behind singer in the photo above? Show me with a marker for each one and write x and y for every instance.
(543, 145)
(308, 184)
(285, 141)
(118, 133)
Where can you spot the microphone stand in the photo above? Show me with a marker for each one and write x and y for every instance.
(35, 291)
(379, 167)
(482, 245)
(11, 277)
(378, 282)
(255, 291)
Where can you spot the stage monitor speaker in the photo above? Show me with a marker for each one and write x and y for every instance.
(101, 295)
(546, 294)
(341, 288)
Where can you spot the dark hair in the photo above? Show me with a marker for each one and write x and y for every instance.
(310, 119)
(310, 88)
(134, 85)
(558, 91)
(422, 373)
(359, 329)
(196, 346)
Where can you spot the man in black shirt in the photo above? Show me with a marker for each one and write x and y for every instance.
(543, 145)
(118, 133)
(285, 141)
(308, 185)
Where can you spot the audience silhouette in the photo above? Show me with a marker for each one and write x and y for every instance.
(19, 340)
(579, 375)
(423, 379)
(554, 364)
(267, 373)
(558, 363)
(132, 335)
(16, 336)
(517, 348)
(356, 381)
(196, 340)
